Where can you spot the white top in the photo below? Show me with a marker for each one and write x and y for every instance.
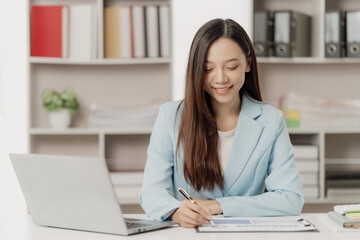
(225, 143)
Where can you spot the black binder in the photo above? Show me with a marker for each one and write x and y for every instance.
(335, 34)
(292, 34)
(353, 34)
(264, 33)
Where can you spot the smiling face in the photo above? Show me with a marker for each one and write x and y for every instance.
(225, 69)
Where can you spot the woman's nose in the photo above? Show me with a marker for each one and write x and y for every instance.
(221, 77)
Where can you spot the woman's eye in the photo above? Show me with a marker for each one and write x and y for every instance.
(208, 69)
(233, 68)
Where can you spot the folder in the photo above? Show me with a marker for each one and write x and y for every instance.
(112, 32)
(335, 34)
(139, 31)
(164, 23)
(47, 31)
(152, 31)
(353, 34)
(342, 220)
(264, 33)
(292, 34)
(82, 32)
(126, 50)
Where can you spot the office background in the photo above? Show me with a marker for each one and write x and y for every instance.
(187, 16)
(13, 73)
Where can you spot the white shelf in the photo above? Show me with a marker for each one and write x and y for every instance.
(307, 60)
(324, 131)
(344, 200)
(342, 161)
(124, 61)
(303, 131)
(69, 131)
(91, 131)
(128, 200)
(343, 131)
(137, 130)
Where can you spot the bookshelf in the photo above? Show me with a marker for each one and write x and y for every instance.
(320, 77)
(110, 82)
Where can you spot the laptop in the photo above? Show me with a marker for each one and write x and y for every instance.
(74, 193)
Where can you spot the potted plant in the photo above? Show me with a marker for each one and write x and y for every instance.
(60, 106)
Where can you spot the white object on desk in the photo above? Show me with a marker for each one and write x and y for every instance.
(262, 224)
(348, 207)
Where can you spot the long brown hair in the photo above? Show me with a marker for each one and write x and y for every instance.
(198, 132)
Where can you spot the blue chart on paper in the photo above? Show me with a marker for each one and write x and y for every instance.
(231, 221)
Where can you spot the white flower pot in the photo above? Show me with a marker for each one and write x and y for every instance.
(60, 119)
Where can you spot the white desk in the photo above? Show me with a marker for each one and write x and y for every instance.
(23, 228)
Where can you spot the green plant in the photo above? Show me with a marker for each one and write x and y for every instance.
(53, 100)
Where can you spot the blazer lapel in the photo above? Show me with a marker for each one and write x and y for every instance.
(247, 134)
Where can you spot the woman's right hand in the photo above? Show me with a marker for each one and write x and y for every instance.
(190, 215)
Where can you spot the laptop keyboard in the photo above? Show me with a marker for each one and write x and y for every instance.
(136, 225)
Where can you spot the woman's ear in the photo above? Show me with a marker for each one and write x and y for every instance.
(248, 64)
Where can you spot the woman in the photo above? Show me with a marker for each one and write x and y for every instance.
(221, 143)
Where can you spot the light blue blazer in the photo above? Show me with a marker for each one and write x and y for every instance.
(261, 155)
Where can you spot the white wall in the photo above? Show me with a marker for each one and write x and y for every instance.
(188, 16)
(13, 116)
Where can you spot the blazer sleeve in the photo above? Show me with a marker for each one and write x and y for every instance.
(284, 196)
(157, 196)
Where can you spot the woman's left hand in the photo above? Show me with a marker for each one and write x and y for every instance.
(212, 206)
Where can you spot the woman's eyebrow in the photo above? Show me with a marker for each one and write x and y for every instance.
(226, 61)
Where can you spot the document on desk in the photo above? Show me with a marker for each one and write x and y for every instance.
(270, 224)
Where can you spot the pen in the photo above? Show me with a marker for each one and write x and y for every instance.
(188, 197)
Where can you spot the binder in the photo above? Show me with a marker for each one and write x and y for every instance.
(112, 32)
(139, 31)
(353, 34)
(342, 220)
(82, 31)
(264, 33)
(164, 21)
(152, 31)
(47, 31)
(125, 32)
(335, 34)
(292, 34)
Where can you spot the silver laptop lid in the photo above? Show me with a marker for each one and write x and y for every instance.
(69, 192)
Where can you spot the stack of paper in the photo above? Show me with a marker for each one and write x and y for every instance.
(122, 117)
(307, 160)
(343, 220)
(323, 113)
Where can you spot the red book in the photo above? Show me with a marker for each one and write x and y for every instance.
(46, 31)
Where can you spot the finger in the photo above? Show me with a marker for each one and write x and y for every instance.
(200, 210)
(186, 214)
(194, 217)
(188, 222)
